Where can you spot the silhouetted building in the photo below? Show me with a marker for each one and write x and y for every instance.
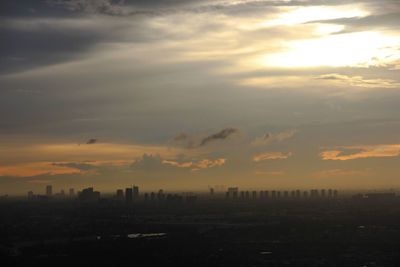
(293, 194)
(261, 194)
(120, 194)
(273, 194)
(278, 194)
(305, 194)
(254, 195)
(30, 195)
(88, 194)
(71, 193)
(128, 195)
(146, 196)
(49, 190)
(233, 192)
(323, 193)
(298, 193)
(152, 196)
(211, 191)
(160, 194)
(285, 194)
(135, 192)
(330, 193)
(266, 194)
(335, 193)
(381, 195)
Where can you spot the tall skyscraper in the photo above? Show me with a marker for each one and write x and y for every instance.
(128, 194)
(120, 194)
(49, 190)
(71, 193)
(135, 192)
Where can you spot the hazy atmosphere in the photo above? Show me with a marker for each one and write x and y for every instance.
(180, 95)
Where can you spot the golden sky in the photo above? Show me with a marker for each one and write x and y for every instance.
(184, 94)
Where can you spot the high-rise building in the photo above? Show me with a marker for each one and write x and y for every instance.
(298, 193)
(293, 194)
(329, 193)
(211, 191)
(30, 195)
(261, 194)
(49, 190)
(135, 192)
(335, 193)
(323, 193)
(273, 194)
(120, 194)
(71, 193)
(254, 194)
(286, 194)
(305, 194)
(128, 194)
(241, 194)
(266, 194)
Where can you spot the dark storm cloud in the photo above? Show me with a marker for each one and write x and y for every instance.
(220, 135)
(91, 141)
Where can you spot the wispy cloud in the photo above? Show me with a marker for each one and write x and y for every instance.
(91, 141)
(273, 137)
(359, 152)
(192, 141)
(271, 155)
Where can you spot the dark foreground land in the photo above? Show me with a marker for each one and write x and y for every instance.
(342, 232)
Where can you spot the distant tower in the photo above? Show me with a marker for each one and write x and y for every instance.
(71, 193)
(278, 194)
(305, 194)
(135, 192)
(30, 195)
(335, 193)
(241, 194)
(323, 193)
(293, 194)
(211, 191)
(330, 193)
(266, 194)
(49, 190)
(254, 194)
(128, 195)
(298, 194)
(261, 194)
(120, 194)
(273, 194)
(285, 194)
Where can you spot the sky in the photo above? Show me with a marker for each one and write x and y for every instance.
(183, 95)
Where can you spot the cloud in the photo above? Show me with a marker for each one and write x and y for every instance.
(273, 137)
(177, 164)
(148, 162)
(91, 141)
(271, 155)
(220, 135)
(272, 173)
(366, 151)
(359, 81)
(106, 7)
(206, 163)
(31, 169)
(192, 141)
(340, 172)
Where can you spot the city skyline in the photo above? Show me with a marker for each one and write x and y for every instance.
(182, 95)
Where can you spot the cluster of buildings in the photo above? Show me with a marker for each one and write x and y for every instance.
(234, 193)
(85, 194)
